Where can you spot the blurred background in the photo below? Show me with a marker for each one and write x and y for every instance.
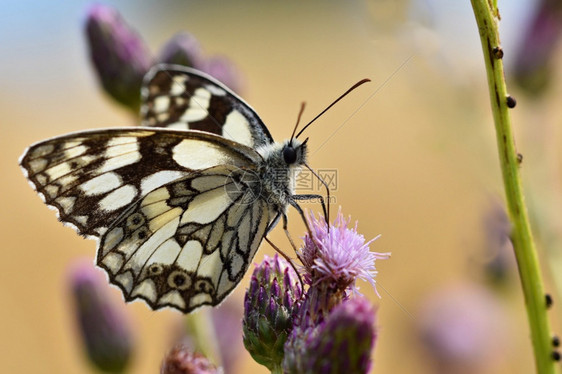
(414, 152)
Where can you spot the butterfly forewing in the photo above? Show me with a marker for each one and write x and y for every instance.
(182, 98)
(187, 243)
(91, 177)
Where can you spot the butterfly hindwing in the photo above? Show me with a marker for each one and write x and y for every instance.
(182, 98)
(91, 177)
(187, 243)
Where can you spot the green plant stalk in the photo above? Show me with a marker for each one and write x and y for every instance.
(200, 327)
(486, 14)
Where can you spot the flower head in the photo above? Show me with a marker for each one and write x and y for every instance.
(338, 255)
(222, 68)
(462, 326)
(182, 49)
(181, 360)
(104, 329)
(119, 55)
(269, 307)
(534, 63)
(341, 343)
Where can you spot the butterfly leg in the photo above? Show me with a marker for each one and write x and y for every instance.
(273, 223)
(326, 211)
(314, 196)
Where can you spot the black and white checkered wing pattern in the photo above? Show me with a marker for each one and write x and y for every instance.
(183, 98)
(187, 243)
(92, 177)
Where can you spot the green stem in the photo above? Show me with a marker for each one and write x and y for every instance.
(200, 327)
(527, 260)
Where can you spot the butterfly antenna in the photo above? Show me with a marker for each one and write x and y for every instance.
(334, 103)
(303, 104)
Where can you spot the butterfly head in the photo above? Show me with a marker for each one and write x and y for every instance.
(294, 152)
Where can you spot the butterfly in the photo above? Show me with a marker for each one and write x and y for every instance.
(180, 205)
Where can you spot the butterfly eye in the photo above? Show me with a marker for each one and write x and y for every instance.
(289, 154)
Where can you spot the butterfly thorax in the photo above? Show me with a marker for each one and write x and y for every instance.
(282, 162)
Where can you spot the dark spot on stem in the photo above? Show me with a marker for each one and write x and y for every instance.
(498, 52)
(555, 341)
(519, 158)
(511, 102)
(548, 300)
(556, 355)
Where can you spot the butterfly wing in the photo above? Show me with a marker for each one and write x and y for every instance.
(91, 177)
(187, 243)
(178, 97)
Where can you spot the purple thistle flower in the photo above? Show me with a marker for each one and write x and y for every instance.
(462, 328)
(181, 360)
(533, 69)
(333, 333)
(182, 49)
(120, 57)
(341, 344)
(338, 256)
(222, 68)
(104, 329)
(269, 306)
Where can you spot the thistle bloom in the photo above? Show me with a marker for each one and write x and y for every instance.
(533, 69)
(269, 307)
(119, 55)
(181, 360)
(338, 255)
(462, 328)
(222, 68)
(182, 49)
(341, 344)
(333, 333)
(104, 329)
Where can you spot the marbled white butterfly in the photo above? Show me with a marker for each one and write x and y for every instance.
(180, 205)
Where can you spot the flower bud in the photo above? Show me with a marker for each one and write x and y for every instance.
(118, 54)
(222, 69)
(104, 329)
(181, 360)
(341, 344)
(182, 49)
(534, 67)
(269, 307)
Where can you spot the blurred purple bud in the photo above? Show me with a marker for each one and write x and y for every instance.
(268, 316)
(533, 60)
(182, 49)
(498, 246)
(104, 329)
(222, 69)
(181, 360)
(462, 328)
(343, 343)
(119, 55)
(227, 321)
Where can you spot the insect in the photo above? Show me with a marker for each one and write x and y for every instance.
(180, 205)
